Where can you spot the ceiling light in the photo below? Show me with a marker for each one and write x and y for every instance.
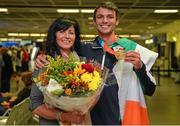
(135, 36)
(43, 35)
(11, 39)
(90, 18)
(87, 10)
(34, 34)
(3, 39)
(39, 40)
(88, 36)
(12, 34)
(14, 39)
(23, 34)
(174, 38)
(18, 39)
(3, 10)
(123, 36)
(127, 36)
(149, 41)
(68, 10)
(150, 27)
(165, 11)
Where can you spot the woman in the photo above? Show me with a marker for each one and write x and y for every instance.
(63, 39)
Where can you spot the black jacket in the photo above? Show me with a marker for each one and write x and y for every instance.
(106, 111)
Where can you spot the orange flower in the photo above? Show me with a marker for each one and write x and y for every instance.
(78, 71)
(67, 73)
(43, 76)
(68, 91)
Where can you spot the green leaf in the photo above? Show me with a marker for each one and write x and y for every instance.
(57, 92)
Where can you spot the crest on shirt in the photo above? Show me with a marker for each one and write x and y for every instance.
(117, 48)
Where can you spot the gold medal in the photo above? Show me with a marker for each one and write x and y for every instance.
(120, 54)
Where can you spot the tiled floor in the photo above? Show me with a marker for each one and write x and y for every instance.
(164, 105)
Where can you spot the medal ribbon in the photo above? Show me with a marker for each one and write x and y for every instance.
(106, 47)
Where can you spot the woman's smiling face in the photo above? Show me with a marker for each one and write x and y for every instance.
(65, 39)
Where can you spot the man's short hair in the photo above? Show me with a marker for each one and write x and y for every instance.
(107, 5)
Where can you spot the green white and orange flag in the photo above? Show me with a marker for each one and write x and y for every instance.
(133, 110)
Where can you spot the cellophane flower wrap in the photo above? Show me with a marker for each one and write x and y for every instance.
(71, 85)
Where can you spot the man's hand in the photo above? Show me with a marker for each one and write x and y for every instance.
(41, 61)
(134, 58)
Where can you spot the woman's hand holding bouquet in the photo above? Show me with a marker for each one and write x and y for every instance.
(70, 85)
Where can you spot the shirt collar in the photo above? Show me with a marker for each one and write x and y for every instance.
(96, 44)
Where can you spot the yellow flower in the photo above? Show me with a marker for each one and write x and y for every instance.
(96, 74)
(94, 84)
(87, 77)
(93, 80)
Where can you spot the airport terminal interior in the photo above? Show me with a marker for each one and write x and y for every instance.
(154, 24)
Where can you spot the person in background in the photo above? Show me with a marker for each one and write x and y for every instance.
(63, 39)
(18, 60)
(23, 94)
(16, 86)
(25, 59)
(111, 109)
(1, 66)
(7, 69)
(177, 79)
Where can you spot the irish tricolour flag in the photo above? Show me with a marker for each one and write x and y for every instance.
(133, 110)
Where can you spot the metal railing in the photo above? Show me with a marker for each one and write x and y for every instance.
(157, 70)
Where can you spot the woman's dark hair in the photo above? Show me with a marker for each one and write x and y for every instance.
(61, 24)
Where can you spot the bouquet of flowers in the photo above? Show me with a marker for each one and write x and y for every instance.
(71, 85)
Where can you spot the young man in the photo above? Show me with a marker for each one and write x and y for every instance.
(111, 102)
(118, 95)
